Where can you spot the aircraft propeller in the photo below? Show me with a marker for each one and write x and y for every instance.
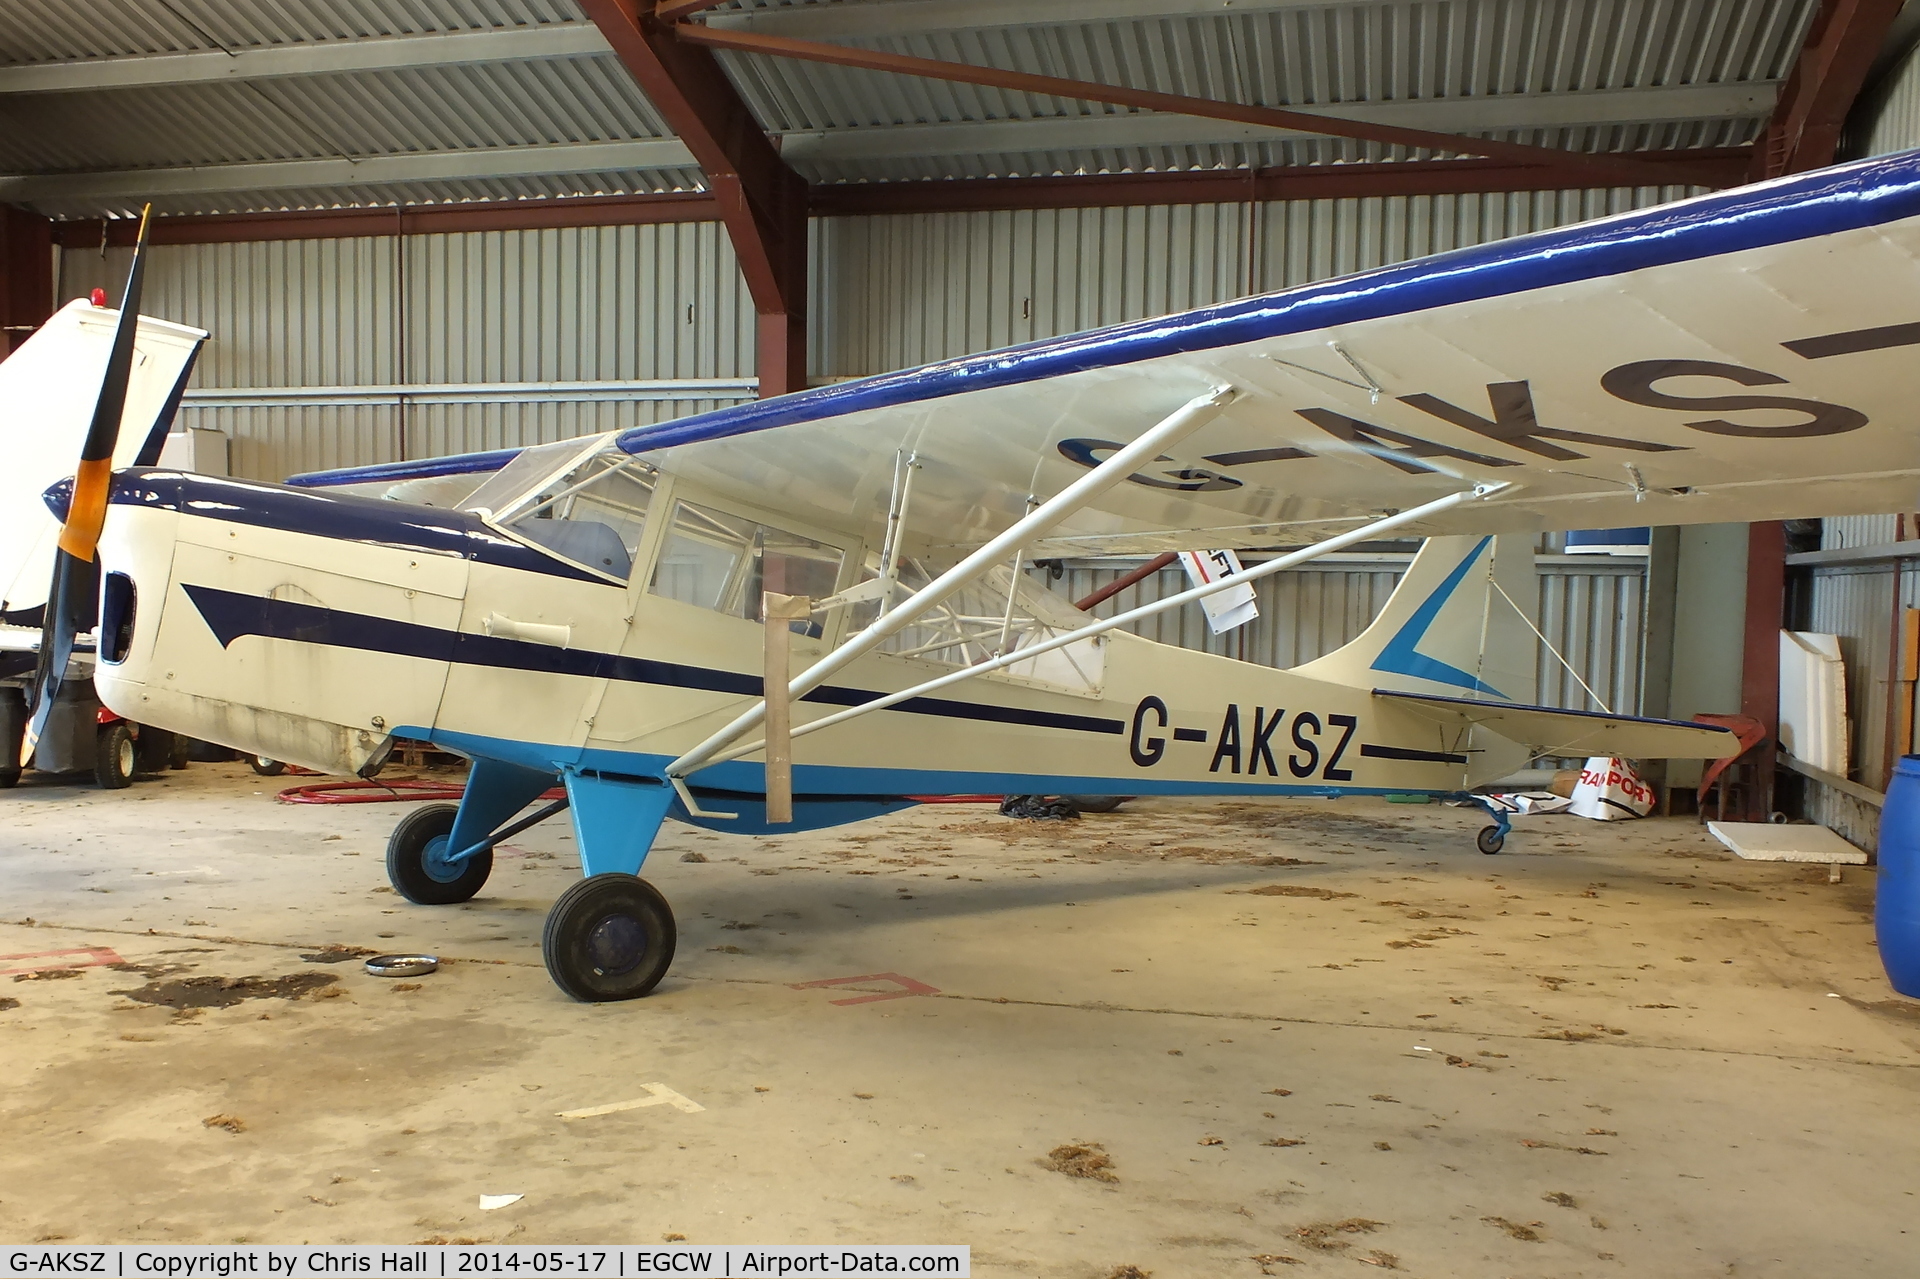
(76, 570)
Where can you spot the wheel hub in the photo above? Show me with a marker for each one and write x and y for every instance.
(616, 945)
(434, 860)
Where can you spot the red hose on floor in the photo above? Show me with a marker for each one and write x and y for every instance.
(400, 789)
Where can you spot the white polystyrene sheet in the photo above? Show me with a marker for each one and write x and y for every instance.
(48, 389)
(1813, 700)
(1765, 842)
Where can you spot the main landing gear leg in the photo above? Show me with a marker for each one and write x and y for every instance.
(428, 857)
(1491, 839)
(611, 936)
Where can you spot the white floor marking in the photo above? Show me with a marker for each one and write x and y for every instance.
(661, 1095)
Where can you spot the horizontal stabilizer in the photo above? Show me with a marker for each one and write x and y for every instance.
(1548, 730)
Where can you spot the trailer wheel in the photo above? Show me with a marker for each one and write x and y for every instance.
(114, 756)
(13, 734)
(266, 767)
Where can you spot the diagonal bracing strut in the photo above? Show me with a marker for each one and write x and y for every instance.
(1365, 532)
(1166, 433)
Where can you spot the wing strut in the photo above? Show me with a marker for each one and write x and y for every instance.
(1169, 431)
(1365, 532)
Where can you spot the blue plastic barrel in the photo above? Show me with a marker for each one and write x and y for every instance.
(1896, 907)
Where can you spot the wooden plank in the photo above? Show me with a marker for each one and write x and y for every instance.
(780, 610)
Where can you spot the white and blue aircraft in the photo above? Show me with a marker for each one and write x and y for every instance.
(801, 611)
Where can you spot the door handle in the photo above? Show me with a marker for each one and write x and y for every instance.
(503, 627)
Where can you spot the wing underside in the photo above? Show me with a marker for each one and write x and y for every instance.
(1741, 356)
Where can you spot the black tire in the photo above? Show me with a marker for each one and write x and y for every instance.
(182, 753)
(114, 757)
(154, 753)
(1096, 803)
(609, 937)
(1490, 840)
(13, 733)
(266, 767)
(413, 866)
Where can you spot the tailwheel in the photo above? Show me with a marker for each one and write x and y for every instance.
(417, 864)
(609, 937)
(1490, 840)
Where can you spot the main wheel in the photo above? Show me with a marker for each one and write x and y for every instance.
(1490, 840)
(417, 864)
(114, 756)
(608, 937)
(266, 767)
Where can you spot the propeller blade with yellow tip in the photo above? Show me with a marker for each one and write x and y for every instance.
(76, 575)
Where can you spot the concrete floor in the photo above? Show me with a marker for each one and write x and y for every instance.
(1612, 1050)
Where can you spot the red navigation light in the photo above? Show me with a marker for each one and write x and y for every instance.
(98, 297)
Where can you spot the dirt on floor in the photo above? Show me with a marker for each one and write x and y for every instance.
(1183, 1039)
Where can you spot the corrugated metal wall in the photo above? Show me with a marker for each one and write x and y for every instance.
(1849, 531)
(900, 290)
(600, 304)
(1894, 122)
(1590, 608)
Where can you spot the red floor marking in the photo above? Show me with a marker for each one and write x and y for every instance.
(100, 957)
(912, 987)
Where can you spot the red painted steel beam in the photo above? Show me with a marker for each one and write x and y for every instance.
(1760, 655)
(1841, 46)
(26, 275)
(1713, 168)
(1230, 186)
(1122, 582)
(761, 200)
(419, 219)
(1596, 169)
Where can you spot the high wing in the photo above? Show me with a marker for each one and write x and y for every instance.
(1742, 356)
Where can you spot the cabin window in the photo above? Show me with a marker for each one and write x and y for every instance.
(593, 514)
(726, 562)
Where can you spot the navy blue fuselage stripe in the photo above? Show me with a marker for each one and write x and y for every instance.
(340, 516)
(1413, 756)
(1844, 198)
(232, 615)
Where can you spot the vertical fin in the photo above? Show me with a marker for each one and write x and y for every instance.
(1456, 624)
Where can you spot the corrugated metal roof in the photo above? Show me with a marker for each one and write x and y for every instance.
(1343, 53)
(68, 30)
(1506, 55)
(489, 104)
